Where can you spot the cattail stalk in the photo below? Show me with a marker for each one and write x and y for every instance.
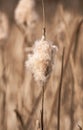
(42, 110)
(44, 20)
(44, 34)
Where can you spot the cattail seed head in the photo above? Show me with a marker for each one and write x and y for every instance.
(24, 12)
(40, 62)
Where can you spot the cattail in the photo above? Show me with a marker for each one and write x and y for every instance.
(24, 12)
(3, 26)
(40, 62)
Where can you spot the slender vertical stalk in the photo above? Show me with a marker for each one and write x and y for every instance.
(59, 95)
(44, 20)
(44, 35)
(42, 110)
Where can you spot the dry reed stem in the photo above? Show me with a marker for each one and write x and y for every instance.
(42, 110)
(60, 89)
(70, 40)
(53, 108)
(73, 40)
(80, 128)
(19, 118)
(72, 93)
(35, 106)
(77, 38)
(74, 37)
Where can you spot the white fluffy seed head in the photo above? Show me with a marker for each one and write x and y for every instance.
(40, 62)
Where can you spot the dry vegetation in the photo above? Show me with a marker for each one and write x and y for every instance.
(20, 95)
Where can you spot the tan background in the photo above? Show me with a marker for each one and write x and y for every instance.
(18, 89)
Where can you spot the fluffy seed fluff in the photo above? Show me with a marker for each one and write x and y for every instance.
(41, 60)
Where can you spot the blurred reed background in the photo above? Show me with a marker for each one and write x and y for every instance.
(19, 93)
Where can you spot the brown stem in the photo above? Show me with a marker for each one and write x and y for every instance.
(59, 95)
(42, 110)
(19, 117)
(74, 39)
(44, 20)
